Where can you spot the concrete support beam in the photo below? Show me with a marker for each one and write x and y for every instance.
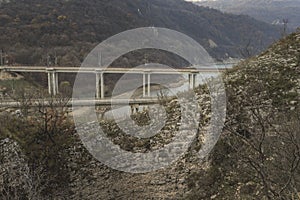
(192, 81)
(98, 92)
(149, 85)
(102, 85)
(55, 82)
(144, 85)
(52, 82)
(99, 85)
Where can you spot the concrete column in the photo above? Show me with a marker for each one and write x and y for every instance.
(149, 85)
(50, 83)
(98, 92)
(54, 80)
(55, 74)
(99, 85)
(102, 85)
(144, 85)
(192, 81)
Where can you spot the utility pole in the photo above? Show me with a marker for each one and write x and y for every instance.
(285, 26)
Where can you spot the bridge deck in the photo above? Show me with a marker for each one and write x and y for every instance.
(43, 69)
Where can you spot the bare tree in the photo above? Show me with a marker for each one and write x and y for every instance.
(19, 181)
(25, 97)
(44, 135)
(251, 45)
(267, 142)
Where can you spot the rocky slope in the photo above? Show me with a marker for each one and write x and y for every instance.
(263, 95)
(276, 70)
(271, 79)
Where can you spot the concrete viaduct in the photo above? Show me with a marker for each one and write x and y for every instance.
(99, 73)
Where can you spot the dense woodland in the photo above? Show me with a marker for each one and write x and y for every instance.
(32, 30)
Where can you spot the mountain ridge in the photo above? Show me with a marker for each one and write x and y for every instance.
(32, 29)
(268, 11)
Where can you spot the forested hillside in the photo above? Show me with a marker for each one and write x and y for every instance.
(32, 29)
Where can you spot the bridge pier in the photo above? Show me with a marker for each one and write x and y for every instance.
(99, 84)
(147, 73)
(147, 84)
(192, 81)
(52, 82)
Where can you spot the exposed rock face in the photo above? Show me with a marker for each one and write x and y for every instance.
(14, 173)
(94, 180)
(276, 71)
(102, 182)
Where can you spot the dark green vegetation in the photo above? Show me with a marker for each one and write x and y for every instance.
(32, 29)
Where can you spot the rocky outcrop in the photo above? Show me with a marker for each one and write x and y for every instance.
(94, 180)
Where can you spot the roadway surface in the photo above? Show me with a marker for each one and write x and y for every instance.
(43, 69)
